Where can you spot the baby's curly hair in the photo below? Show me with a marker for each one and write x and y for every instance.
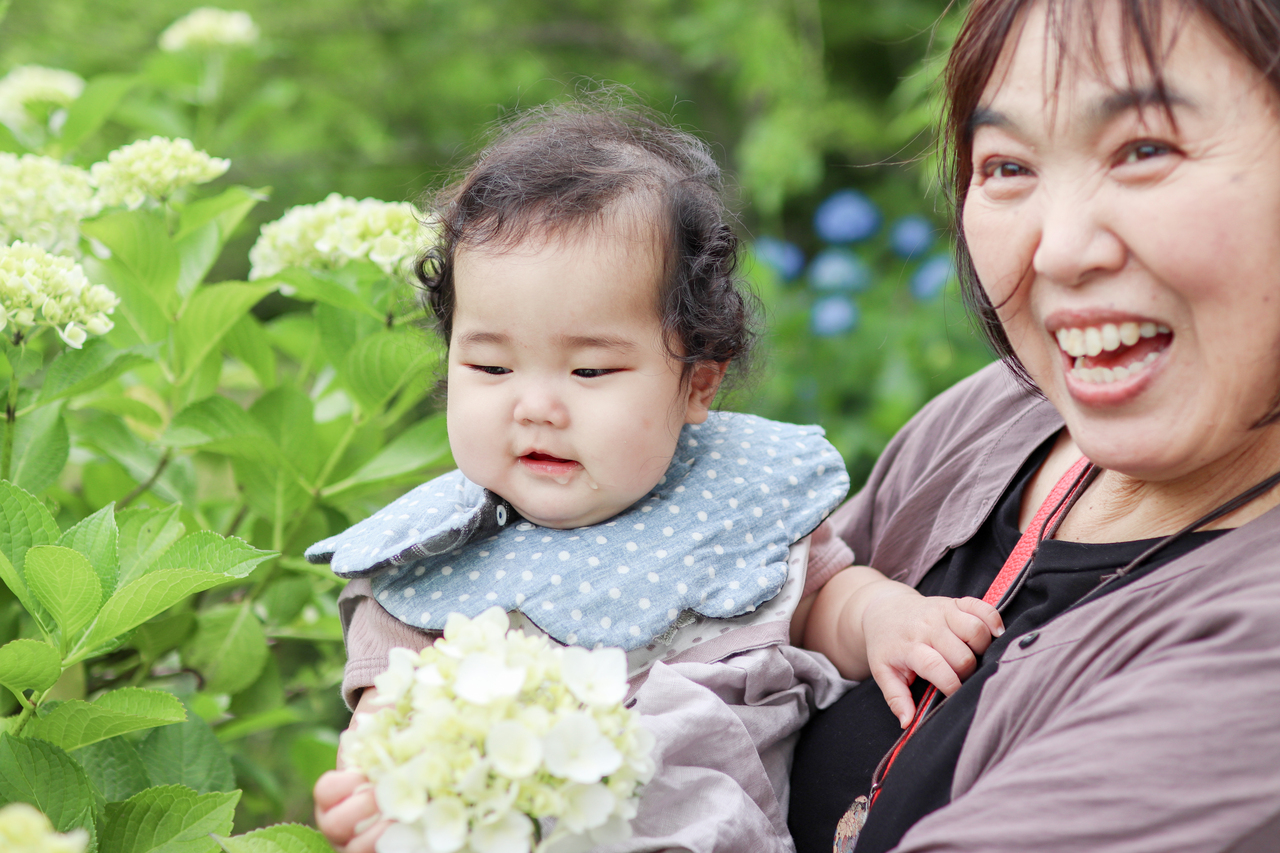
(552, 169)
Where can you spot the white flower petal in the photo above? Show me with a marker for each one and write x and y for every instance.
(596, 677)
(511, 833)
(514, 751)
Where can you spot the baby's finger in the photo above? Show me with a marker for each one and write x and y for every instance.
(336, 785)
(897, 693)
(932, 665)
(988, 614)
(345, 820)
(968, 629)
(367, 840)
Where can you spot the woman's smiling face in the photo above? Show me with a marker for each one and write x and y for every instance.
(1132, 246)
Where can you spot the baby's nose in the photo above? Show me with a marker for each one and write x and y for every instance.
(540, 405)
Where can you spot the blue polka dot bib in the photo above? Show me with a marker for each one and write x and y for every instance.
(711, 538)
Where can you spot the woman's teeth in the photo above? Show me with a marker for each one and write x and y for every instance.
(1105, 375)
(1093, 340)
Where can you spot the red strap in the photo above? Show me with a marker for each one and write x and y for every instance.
(1021, 554)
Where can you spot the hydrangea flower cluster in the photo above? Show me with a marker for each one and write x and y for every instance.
(35, 84)
(336, 231)
(208, 28)
(25, 829)
(42, 202)
(37, 288)
(490, 730)
(153, 168)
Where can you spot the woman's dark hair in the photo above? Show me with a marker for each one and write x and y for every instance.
(557, 168)
(1252, 26)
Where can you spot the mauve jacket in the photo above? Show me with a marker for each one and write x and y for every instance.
(1146, 720)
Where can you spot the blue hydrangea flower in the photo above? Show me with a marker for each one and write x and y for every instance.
(839, 269)
(847, 216)
(931, 277)
(911, 236)
(784, 258)
(833, 315)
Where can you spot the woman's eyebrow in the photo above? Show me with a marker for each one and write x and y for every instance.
(1137, 98)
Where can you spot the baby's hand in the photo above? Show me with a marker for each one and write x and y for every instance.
(935, 638)
(346, 811)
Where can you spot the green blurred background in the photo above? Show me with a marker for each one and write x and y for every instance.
(800, 98)
(820, 110)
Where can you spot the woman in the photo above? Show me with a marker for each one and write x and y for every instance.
(1116, 167)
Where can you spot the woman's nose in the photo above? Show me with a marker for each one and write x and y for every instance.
(1076, 242)
(540, 405)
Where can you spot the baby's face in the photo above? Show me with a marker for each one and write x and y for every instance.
(562, 398)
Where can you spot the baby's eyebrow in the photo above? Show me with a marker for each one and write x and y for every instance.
(595, 342)
(475, 338)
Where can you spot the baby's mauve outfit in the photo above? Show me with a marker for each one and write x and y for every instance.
(697, 582)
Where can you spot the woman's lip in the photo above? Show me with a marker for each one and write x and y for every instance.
(1091, 392)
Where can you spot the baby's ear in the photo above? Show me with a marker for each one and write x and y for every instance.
(704, 382)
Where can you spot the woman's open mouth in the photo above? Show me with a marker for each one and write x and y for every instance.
(1112, 352)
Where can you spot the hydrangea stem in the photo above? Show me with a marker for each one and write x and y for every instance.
(10, 426)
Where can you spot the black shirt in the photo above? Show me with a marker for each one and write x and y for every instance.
(840, 748)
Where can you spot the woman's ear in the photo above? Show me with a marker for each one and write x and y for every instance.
(704, 382)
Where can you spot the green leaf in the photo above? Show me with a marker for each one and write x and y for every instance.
(229, 648)
(145, 534)
(247, 341)
(141, 248)
(318, 287)
(24, 522)
(172, 819)
(29, 665)
(76, 723)
(207, 317)
(138, 601)
(188, 754)
(144, 316)
(159, 635)
(35, 772)
(211, 552)
(281, 838)
(260, 722)
(379, 366)
(41, 447)
(218, 425)
(127, 407)
(196, 253)
(93, 107)
(97, 363)
(424, 445)
(18, 586)
(225, 210)
(114, 768)
(96, 537)
(288, 418)
(313, 753)
(66, 585)
(114, 440)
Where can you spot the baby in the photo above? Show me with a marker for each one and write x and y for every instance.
(585, 288)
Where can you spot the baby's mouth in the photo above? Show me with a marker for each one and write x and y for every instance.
(560, 470)
(1112, 352)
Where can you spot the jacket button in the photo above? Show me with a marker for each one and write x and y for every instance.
(1026, 641)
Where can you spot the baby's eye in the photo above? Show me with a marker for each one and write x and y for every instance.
(592, 372)
(492, 370)
(1146, 150)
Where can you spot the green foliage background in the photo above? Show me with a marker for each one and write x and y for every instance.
(229, 431)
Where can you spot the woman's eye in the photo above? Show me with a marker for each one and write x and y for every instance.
(492, 370)
(1140, 151)
(592, 372)
(1006, 169)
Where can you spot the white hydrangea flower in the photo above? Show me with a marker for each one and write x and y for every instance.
(486, 735)
(336, 231)
(576, 749)
(208, 28)
(153, 168)
(42, 202)
(40, 289)
(28, 85)
(25, 829)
